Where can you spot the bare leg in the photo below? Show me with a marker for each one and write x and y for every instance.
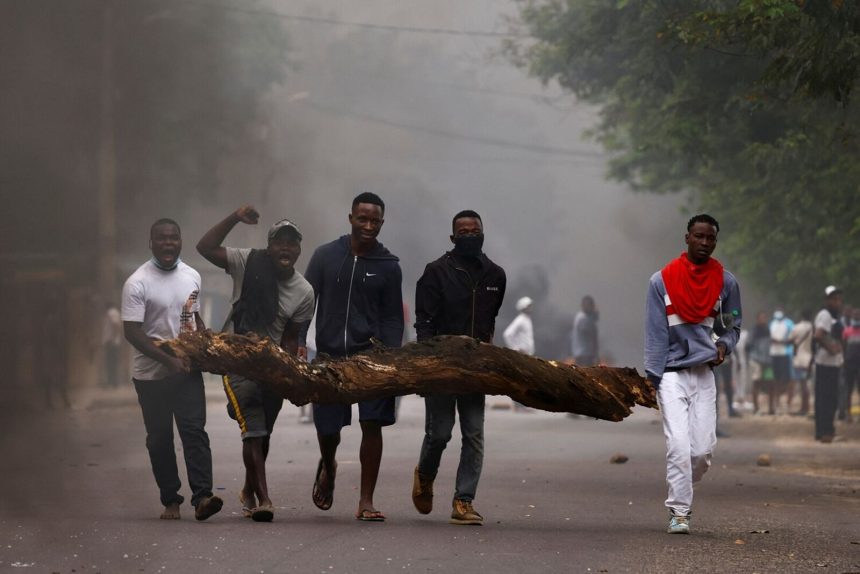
(370, 455)
(328, 452)
(255, 470)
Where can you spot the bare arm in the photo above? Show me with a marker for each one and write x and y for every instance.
(134, 334)
(290, 339)
(830, 344)
(210, 246)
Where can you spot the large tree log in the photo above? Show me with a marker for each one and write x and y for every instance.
(443, 364)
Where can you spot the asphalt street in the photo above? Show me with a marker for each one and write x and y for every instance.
(78, 497)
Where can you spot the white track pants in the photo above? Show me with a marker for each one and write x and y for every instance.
(688, 402)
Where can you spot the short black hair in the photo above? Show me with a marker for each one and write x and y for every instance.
(702, 218)
(369, 197)
(164, 221)
(466, 213)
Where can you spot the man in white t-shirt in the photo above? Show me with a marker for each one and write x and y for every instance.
(780, 355)
(270, 299)
(159, 301)
(519, 336)
(828, 362)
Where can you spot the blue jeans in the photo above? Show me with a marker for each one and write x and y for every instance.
(439, 422)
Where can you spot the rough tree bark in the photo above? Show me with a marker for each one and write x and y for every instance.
(443, 364)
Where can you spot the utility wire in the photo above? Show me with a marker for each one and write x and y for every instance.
(497, 142)
(364, 25)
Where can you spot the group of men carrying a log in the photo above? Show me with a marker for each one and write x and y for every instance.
(354, 285)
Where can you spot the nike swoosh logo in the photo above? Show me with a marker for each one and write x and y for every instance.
(370, 274)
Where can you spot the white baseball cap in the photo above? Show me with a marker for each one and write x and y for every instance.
(524, 303)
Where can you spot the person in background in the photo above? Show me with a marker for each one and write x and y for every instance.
(851, 370)
(519, 336)
(780, 355)
(585, 348)
(801, 339)
(111, 341)
(761, 373)
(828, 363)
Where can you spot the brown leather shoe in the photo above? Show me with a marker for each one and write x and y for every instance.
(422, 492)
(207, 507)
(464, 513)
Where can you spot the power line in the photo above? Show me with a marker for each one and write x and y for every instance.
(363, 25)
(497, 142)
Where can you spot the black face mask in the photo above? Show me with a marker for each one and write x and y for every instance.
(468, 245)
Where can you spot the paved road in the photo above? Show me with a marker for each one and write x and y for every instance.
(79, 497)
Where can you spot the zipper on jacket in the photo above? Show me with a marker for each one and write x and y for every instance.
(474, 296)
(348, 301)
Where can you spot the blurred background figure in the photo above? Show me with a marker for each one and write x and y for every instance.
(741, 372)
(801, 339)
(780, 356)
(519, 335)
(851, 369)
(761, 373)
(584, 337)
(111, 341)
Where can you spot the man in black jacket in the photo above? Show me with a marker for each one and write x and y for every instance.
(357, 284)
(459, 294)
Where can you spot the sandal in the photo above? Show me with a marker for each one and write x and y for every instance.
(323, 501)
(368, 515)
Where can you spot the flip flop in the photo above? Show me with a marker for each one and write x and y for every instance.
(263, 514)
(246, 510)
(317, 493)
(368, 515)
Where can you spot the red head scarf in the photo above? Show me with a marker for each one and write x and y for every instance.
(693, 289)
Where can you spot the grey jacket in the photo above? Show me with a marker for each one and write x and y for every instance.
(672, 345)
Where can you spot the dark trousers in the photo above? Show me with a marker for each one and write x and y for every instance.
(178, 397)
(826, 399)
(440, 411)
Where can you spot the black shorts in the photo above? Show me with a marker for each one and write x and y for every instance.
(781, 367)
(253, 405)
(329, 419)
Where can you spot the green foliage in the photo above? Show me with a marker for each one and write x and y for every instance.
(743, 105)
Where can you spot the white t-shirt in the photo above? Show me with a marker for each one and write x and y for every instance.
(801, 336)
(519, 335)
(824, 320)
(165, 302)
(295, 295)
(780, 330)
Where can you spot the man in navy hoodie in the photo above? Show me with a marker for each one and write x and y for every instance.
(357, 283)
(692, 322)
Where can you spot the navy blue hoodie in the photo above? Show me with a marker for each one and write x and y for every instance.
(358, 297)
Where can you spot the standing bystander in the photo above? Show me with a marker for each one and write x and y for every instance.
(828, 363)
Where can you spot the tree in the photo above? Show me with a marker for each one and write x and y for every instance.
(739, 104)
(189, 80)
